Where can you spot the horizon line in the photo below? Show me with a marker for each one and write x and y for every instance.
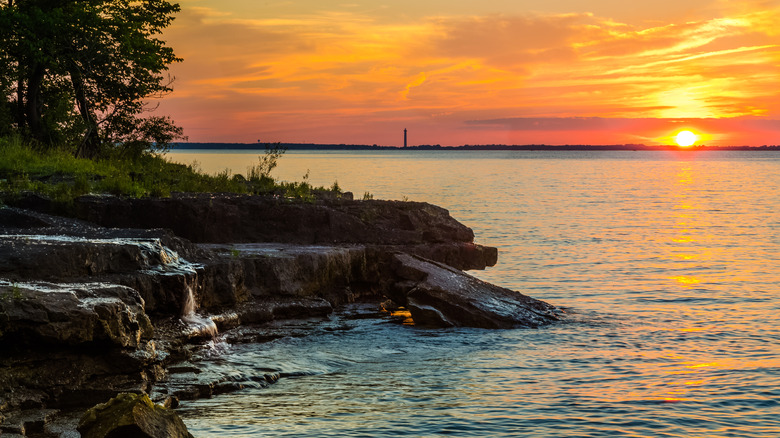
(344, 146)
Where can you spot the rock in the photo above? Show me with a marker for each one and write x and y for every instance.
(36, 314)
(15, 218)
(418, 227)
(440, 296)
(26, 422)
(281, 308)
(224, 218)
(131, 415)
(269, 270)
(459, 255)
(66, 250)
(76, 298)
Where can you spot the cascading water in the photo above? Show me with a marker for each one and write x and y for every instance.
(199, 326)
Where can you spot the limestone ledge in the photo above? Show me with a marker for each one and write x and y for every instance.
(92, 294)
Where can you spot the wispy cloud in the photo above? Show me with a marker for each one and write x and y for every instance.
(350, 69)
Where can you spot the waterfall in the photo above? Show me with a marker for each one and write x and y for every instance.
(199, 326)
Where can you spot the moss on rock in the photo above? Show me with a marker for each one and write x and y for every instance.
(131, 415)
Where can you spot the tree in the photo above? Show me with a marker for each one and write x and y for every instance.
(87, 67)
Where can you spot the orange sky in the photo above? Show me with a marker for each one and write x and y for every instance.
(464, 72)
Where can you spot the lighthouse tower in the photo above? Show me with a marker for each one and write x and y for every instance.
(404, 137)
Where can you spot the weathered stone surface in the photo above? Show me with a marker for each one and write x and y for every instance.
(29, 224)
(56, 249)
(26, 422)
(268, 270)
(207, 218)
(440, 296)
(131, 415)
(418, 227)
(255, 312)
(35, 313)
(65, 377)
(459, 255)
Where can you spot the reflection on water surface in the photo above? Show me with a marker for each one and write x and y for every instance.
(665, 261)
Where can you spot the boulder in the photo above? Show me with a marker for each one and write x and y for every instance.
(131, 415)
(36, 314)
(438, 295)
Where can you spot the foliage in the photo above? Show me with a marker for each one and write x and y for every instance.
(79, 72)
(367, 196)
(266, 162)
(58, 174)
(299, 190)
(260, 174)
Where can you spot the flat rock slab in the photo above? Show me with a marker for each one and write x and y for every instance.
(226, 218)
(438, 295)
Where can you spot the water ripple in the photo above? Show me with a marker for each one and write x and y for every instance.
(666, 269)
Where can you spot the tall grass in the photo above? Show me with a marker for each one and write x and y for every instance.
(58, 174)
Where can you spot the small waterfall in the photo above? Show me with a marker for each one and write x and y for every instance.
(199, 326)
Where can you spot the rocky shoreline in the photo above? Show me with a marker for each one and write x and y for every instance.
(107, 295)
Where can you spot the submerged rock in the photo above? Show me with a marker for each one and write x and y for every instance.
(438, 295)
(132, 415)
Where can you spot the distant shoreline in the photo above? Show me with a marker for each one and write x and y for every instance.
(490, 147)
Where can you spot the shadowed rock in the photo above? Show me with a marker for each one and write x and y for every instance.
(206, 218)
(439, 296)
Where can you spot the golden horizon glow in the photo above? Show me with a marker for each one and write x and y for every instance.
(476, 73)
(686, 138)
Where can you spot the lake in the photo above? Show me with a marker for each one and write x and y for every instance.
(666, 263)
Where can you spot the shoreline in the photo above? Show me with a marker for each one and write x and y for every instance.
(126, 289)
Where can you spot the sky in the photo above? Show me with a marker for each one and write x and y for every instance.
(457, 72)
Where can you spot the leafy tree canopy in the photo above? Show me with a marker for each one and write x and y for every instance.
(81, 72)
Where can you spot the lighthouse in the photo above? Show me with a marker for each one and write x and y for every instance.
(404, 137)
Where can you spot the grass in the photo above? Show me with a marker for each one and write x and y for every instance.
(56, 173)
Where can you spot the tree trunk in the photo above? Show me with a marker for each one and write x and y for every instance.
(21, 87)
(90, 144)
(34, 104)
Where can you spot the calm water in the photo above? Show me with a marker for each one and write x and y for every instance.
(665, 261)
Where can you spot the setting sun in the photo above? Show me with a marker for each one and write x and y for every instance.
(686, 138)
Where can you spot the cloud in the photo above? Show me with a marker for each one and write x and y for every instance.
(509, 41)
(419, 80)
(716, 131)
(624, 124)
(333, 72)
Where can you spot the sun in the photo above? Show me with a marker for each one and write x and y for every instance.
(686, 138)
